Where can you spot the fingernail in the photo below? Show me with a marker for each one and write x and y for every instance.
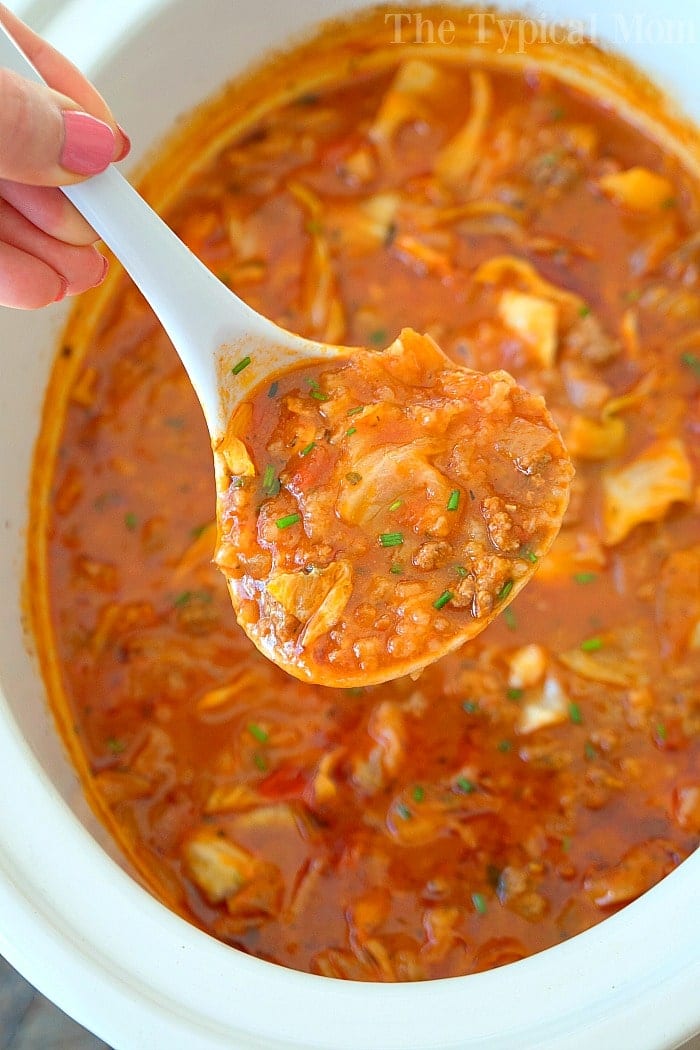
(126, 144)
(88, 144)
(62, 291)
(105, 267)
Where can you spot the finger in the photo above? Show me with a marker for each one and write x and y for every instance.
(63, 76)
(82, 267)
(27, 283)
(43, 139)
(50, 210)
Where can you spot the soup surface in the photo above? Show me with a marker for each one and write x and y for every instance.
(546, 774)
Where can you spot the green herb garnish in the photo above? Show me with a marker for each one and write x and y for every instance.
(274, 387)
(270, 482)
(504, 591)
(243, 363)
(529, 555)
(287, 520)
(396, 569)
(461, 571)
(470, 706)
(356, 410)
(396, 504)
(378, 337)
(592, 645)
(350, 431)
(258, 732)
(583, 311)
(260, 762)
(511, 619)
(514, 694)
(479, 902)
(589, 751)
(585, 577)
(320, 396)
(504, 746)
(309, 448)
(465, 786)
(442, 601)
(453, 501)
(575, 715)
(692, 361)
(116, 746)
(391, 539)
(130, 520)
(403, 811)
(418, 793)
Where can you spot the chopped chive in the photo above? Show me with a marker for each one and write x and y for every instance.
(356, 410)
(418, 793)
(314, 227)
(391, 539)
(589, 751)
(575, 715)
(442, 601)
(353, 477)
(378, 338)
(504, 746)
(309, 448)
(396, 504)
(287, 520)
(470, 706)
(350, 431)
(511, 619)
(313, 383)
(566, 843)
(453, 501)
(585, 577)
(274, 387)
(238, 483)
(661, 731)
(504, 591)
(461, 571)
(258, 732)
(243, 363)
(529, 555)
(591, 645)
(514, 694)
(479, 902)
(464, 785)
(692, 361)
(116, 746)
(260, 762)
(583, 311)
(182, 599)
(396, 569)
(320, 396)
(130, 520)
(269, 480)
(403, 811)
(199, 530)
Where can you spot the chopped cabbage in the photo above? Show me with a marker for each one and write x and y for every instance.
(645, 489)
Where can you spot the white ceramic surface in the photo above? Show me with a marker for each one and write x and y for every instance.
(77, 925)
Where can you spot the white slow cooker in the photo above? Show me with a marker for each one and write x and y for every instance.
(71, 919)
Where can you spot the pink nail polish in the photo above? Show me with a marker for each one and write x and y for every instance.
(126, 144)
(88, 145)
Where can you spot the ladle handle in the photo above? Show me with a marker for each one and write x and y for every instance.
(197, 311)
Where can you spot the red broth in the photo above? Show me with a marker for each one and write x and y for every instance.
(546, 774)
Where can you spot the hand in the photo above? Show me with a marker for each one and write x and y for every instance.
(49, 137)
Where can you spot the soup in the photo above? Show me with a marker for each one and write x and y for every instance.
(546, 774)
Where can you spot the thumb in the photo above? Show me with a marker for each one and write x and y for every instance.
(44, 139)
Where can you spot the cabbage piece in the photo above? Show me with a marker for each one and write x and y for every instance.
(365, 226)
(320, 298)
(572, 552)
(316, 599)
(586, 439)
(388, 473)
(548, 707)
(408, 99)
(217, 865)
(535, 320)
(230, 453)
(608, 665)
(678, 602)
(637, 188)
(510, 267)
(645, 489)
(221, 695)
(412, 356)
(456, 160)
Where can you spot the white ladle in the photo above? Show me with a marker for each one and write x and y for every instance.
(209, 326)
